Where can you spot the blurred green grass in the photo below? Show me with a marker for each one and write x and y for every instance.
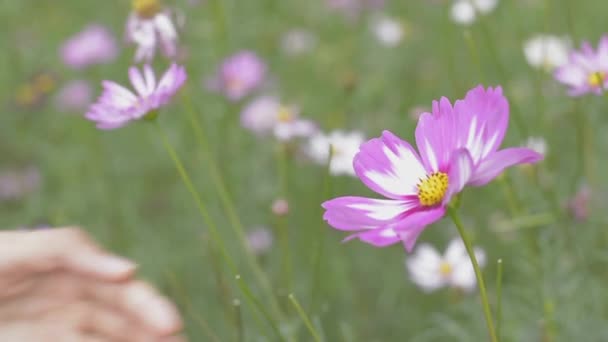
(123, 188)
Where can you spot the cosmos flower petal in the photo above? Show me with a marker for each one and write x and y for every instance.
(494, 165)
(389, 166)
(138, 81)
(423, 267)
(435, 135)
(461, 171)
(483, 117)
(358, 213)
(412, 226)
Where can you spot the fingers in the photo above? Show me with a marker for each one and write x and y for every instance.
(68, 249)
(141, 302)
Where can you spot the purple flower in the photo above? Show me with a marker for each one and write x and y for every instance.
(118, 105)
(150, 27)
(266, 115)
(75, 96)
(259, 240)
(578, 205)
(239, 75)
(458, 146)
(586, 70)
(94, 45)
(16, 184)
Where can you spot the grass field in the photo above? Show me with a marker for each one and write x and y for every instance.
(123, 188)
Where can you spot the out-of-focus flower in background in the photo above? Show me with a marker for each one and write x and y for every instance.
(117, 106)
(537, 144)
(586, 70)
(431, 271)
(388, 31)
(266, 115)
(16, 184)
(297, 42)
(280, 207)
(546, 51)
(259, 240)
(578, 206)
(353, 8)
(93, 45)
(238, 76)
(344, 146)
(150, 26)
(465, 12)
(34, 93)
(75, 96)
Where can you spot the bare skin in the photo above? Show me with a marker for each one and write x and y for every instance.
(58, 285)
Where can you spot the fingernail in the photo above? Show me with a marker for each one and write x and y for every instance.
(117, 266)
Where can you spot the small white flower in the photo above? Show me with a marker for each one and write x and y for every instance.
(266, 115)
(298, 42)
(546, 51)
(344, 146)
(388, 31)
(150, 27)
(431, 271)
(537, 144)
(465, 12)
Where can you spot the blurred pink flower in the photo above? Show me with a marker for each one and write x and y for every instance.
(280, 207)
(75, 96)
(16, 184)
(259, 240)
(150, 27)
(266, 115)
(117, 105)
(579, 204)
(238, 76)
(93, 45)
(586, 70)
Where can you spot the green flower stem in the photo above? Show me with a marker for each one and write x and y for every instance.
(482, 286)
(305, 318)
(498, 297)
(282, 224)
(229, 206)
(202, 208)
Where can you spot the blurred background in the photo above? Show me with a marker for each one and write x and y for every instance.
(352, 65)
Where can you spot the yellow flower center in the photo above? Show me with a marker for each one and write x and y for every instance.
(147, 8)
(44, 83)
(445, 269)
(285, 114)
(596, 79)
(432, 189)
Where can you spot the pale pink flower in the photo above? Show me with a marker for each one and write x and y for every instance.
(93, 45)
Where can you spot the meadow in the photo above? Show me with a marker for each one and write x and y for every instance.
(545, 222)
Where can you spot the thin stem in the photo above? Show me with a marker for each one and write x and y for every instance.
(512, 199)
(239, 319)
(482, 286)
(498, 297)
(228, 205)
(474, 52)
(202, 209)
(256, 303)
(304, 316)
(282, 226)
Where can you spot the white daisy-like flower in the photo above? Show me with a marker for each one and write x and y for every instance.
(344, 146)
(547, 51)
(298, 42)
(149, 27)
(431, 271)
(538, 144)
(388, 31)
(465, 12)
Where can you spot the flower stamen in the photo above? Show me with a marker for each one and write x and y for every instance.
(432, 189)
(445, 269)
(596, 79)
(147, 8)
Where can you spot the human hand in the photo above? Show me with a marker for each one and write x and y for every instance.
(58, 285)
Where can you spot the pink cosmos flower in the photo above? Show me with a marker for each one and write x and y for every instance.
(94, 45)
(118, 105)
(586, 70)
(239, 75)
(150, 27)
(75, 96)
(458, 146)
